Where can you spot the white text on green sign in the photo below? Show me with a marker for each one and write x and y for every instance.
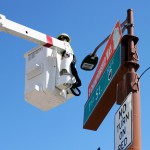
(103, 83)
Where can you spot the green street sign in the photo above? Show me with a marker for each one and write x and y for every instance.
(102, 84)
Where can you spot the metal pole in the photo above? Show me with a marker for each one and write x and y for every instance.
(132, 85)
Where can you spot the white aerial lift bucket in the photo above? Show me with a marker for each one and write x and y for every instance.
(45, 86)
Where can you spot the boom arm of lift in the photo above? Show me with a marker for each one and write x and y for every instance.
(32, 35)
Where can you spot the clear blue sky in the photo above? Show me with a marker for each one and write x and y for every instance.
(24, 127)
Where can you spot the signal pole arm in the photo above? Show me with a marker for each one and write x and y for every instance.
(32, 35)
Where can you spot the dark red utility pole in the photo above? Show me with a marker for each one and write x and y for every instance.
(131, 81)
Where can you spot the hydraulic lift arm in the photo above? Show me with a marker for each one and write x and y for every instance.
(24, 32)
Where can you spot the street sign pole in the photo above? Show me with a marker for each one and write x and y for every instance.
(136, 145)
(131, 82)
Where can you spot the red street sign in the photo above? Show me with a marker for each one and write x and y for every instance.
(113, 42)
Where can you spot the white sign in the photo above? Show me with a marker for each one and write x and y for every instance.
(123, 124)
